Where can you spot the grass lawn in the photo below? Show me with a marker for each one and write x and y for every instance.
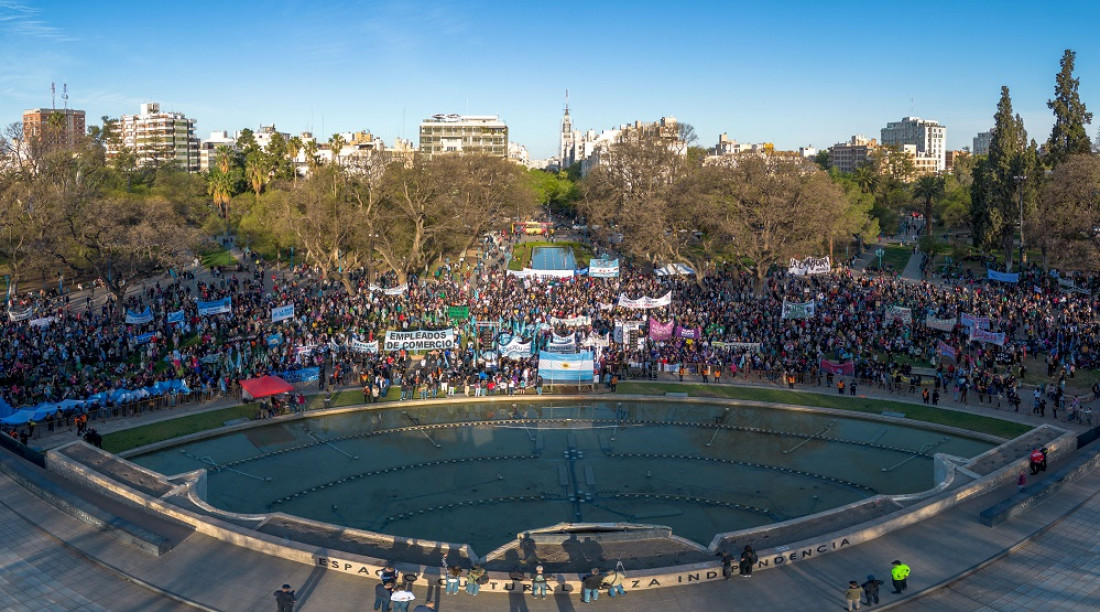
(521, 253)
(896, 256)
(126, 439)
(916, 412)
(218, 256)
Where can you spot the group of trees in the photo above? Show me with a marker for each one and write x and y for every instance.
(64, 213)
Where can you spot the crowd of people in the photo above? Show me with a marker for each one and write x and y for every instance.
(868, 329)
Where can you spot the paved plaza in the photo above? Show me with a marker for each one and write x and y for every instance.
(1040, 560)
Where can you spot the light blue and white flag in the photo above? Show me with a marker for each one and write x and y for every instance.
(603, 268)
(217, 307)
(175, 317)
(575, 368)
(282, 313)
(139, 318)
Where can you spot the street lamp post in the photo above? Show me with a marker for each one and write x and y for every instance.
(880, 253)
(1020, 180)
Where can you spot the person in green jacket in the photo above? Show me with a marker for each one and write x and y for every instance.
(898, 574)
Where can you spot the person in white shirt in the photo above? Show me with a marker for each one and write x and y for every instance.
(401, 599)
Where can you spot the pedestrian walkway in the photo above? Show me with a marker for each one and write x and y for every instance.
(1047, 573)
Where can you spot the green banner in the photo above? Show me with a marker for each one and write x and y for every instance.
(458, 312)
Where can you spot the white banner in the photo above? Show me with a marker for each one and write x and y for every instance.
(606, 306)
(940, 324)
(398, 290)
(809, 266)
(597, 340)
(20, 316)
(420, 340)
(795, 310)
(364, 347)
(645, 302)
(516, 349)
(982, 335)
(969, 320)
(282, 313)
(43, 322)
(571, 321)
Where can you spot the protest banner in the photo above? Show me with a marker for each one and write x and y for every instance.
(1004, 277)
(420, 340)
(796, 310)
(139, 318)
(809, 266)
(216, 307)
(282, 313)
(981, 335)
(458, 312)
(645, 302)
(660, 331)
(947, 324)
(603, 268)
(841, 369)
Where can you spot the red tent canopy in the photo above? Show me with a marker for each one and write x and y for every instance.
(266, 386)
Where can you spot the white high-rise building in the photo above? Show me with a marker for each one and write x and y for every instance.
(464, 134)
(157, 138)
(926, 135)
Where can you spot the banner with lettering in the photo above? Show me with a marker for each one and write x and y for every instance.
(841, 369)
(660, 331)
(988, 337)
(898, 313)
(645, 302)
(940, 324)
(969, 320)
(216, 307)
(1004, 277)
(571, 321)
(175, 317)
(282, 313)
(364, 347)
(43, 322)
(420, 340)
(737, 346)
(809, 266)
(946, 350)
(22, 315)
(139, 318)
(458, 312)
(516, 349)
(689, 333)
(398, 290)
(300, 375)
(796, 310)
(623, 330)
(143, 338)
(596, 340)
(603, 268)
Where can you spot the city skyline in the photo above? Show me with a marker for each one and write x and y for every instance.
(806, 74)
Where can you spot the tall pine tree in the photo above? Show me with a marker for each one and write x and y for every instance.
(1069, 136)
(999, 179)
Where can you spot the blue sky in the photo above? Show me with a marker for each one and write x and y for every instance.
(793, 73)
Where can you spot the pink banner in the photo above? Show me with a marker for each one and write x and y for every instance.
(843, 369)
(982, 335)
(660, 331)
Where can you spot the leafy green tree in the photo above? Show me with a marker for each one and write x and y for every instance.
(1068, 136)
(1067, 225)
(336, 144)
(1000, 179)
(928, 189)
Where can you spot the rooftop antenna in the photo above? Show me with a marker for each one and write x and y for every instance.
(65, 95)
(403, 122)
(53, 96)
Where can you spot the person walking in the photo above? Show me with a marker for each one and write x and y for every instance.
(401, 598)
(591, 586)
(473, 579)
(538, 584)
(382, 592)
(853, 595)
(747, 561)
(727, 564)
(899, 573)
(870, 588)
(285, 599)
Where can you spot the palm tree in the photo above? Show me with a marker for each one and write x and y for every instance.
(866, 177)
(929, 189)
(293, 147)
(311, 155)
(256, 169)
(336, 144)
